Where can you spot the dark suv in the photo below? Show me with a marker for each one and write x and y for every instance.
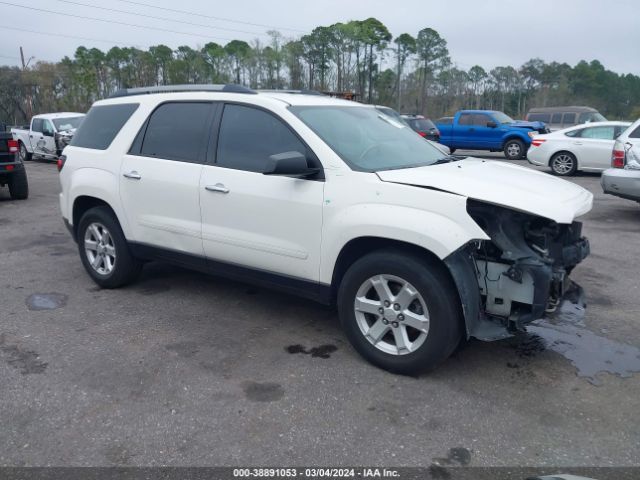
(12, 172)
(423, 126)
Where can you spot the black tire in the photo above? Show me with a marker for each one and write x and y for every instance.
(514, 149)
(436, 287)
(126, 267)
(24, 154)
(563, 164)
(19, 185)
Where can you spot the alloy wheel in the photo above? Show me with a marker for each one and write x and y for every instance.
(99, 248)
(513, 150)
(562, 164)
(391, 314)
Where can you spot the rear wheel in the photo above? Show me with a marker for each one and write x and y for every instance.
(514, 149)
(104, 251)
(19, 185)
(400, 311)
(564, 164)
(24, 153)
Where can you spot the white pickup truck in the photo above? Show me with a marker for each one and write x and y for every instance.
(47, 135)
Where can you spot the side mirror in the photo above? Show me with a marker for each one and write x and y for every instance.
(289, 164)
(491, 124)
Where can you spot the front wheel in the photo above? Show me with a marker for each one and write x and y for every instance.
(400, 311)
(514, 149)
(104, 251)
(563, 164)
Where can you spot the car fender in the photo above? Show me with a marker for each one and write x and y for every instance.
(100, 184)
(433, 231)
(522, 135)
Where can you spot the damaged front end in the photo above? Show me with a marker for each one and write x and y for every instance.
(521, 274)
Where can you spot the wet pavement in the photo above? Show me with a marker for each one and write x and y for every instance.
(185, 369)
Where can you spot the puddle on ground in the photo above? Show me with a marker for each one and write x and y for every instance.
(589, 353)
(46, 301)
(322, 351)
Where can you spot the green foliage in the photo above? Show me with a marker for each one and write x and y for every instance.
(411, 73)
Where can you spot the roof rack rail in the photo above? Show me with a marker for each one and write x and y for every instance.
(228, 88)
(288, 90)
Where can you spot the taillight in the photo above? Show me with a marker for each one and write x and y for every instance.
(617, 159)
(61, 160)
(422, 134)
(536, 142)
(13, 146)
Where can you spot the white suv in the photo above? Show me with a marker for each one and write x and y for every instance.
(324, 198)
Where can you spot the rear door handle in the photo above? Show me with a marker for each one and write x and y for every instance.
(133, 175)
(218, 187)
(577, 143)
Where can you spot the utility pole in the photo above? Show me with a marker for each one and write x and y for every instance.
(29, 109)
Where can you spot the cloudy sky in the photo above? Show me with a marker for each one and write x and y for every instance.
(485, 32)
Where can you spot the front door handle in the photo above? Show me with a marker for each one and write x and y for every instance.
(133, 175)
(218, 187)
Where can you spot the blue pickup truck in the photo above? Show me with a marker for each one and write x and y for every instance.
(488, 130)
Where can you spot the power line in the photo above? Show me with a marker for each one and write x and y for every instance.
(6, 56)
(158, 18)
(64, 35)
(198, 14)
(115, 22)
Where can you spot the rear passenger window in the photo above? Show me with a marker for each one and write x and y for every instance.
(569, 119)
(635, 133)
(599, 133)
(102, 124)
(556, 118)
(177, 131)
(249, 136)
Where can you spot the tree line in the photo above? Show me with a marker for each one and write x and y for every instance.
(412, 73)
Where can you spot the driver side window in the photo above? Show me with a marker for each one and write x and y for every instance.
(249, 136)
(47, 128)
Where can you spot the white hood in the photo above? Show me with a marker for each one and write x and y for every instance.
(501, 183)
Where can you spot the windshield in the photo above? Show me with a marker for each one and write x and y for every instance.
(502, 117)
(392, 113)
(591, 117)
(366, 139)
(67, 123)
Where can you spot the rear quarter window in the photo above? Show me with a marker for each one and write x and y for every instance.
(102, 124)
(635, 133)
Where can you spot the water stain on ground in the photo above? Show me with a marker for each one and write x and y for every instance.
(27, 361)
(322, 351)
(457, 456)
(45, 240)
(589, 353)
(183, 349)
(46, 301)
(263, 391)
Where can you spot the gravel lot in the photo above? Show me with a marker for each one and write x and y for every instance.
(186, 369)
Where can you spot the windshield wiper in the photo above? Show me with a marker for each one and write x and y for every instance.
(448, 159)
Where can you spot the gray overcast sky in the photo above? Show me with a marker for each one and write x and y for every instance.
(484, 32)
